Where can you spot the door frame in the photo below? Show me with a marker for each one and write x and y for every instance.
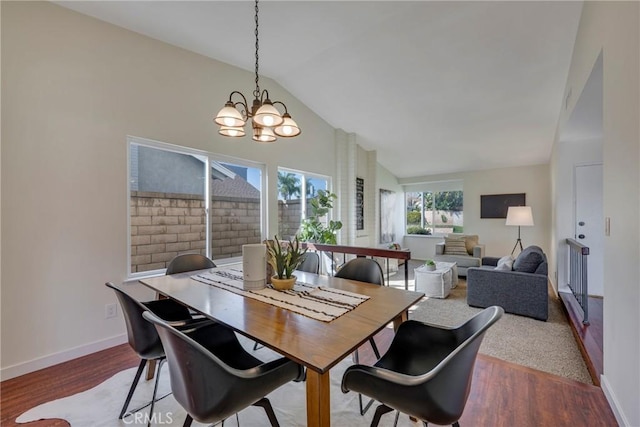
(575, 209)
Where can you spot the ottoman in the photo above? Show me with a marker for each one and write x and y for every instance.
(435, 283)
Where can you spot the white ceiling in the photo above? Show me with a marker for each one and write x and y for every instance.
(434, 87)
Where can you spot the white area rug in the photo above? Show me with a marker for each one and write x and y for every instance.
(101, 405)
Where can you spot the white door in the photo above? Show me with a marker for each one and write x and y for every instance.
(589, 222)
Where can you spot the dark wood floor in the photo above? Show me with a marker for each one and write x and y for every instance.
(589, 337)
(502, 394)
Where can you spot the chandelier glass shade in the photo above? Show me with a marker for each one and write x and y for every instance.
(267, 121)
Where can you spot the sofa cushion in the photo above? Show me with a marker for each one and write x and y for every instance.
(455, 246)
(529, 260)
(470, 242)
(463, 261)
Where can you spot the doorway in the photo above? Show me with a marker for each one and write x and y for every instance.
(589, 222)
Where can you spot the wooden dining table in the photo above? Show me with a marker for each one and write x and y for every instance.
(315, 344)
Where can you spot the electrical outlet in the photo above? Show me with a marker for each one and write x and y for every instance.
(110, 311)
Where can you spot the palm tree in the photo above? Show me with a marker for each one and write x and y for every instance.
(288, 185)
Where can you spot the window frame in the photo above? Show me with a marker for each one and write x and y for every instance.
(434, 189)
(209, 158)
(303, 186)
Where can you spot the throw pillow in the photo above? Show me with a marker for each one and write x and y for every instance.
(454, 246)
(529, 260)
(505, 263)
(470, 242)
(504, 267)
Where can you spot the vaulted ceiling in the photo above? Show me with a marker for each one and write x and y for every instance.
(434, 87)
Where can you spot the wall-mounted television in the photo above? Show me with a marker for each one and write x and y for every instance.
(496, 205)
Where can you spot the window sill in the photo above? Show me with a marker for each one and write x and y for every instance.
(156, 273)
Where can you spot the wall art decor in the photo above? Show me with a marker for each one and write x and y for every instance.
(387, 215)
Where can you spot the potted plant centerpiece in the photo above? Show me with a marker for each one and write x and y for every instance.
(284, 257)
(430, 265)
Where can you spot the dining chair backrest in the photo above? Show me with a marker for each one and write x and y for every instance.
(189, 262)
(311, 263)
(429, 369)
(212, 376)
(142, 336)
(452, 376)
(362, 270)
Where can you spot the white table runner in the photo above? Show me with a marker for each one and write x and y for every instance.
(317, 302)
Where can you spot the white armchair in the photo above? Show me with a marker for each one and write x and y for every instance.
(464, 250)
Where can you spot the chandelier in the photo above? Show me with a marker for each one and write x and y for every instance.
(267, 122)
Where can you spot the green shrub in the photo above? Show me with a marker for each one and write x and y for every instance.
(413, 217)
(414, 229)
(458, 229)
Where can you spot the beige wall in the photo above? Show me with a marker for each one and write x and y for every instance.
(73, 88)
(613, 29)
(497, 238)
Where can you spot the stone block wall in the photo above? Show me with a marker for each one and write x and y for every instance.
(164, 225)
(289, 214)
(234, 222)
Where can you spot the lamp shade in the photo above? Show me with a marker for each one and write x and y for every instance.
(229, 116)
(263, 135)
(231, 131)
(520, 216)
(267, 115)
(288, 128)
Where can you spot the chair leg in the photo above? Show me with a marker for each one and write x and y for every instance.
(222, 422)
(143, 362)
(363, 410)
(155, 390)
(455, 424)
(395, 422)
(187, 421)
(375, 348)
(266, 405)
(256, 346)
(380, 411)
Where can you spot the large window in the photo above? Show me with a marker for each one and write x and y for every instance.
(187, 201)
(434, 212)
(295, 190)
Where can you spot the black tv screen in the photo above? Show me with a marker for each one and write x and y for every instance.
(496, 205)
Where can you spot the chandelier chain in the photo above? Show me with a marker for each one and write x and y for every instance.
(256, 93)
(267, 122)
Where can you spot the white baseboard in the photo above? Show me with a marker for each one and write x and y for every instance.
(613, 402)
(33, 365)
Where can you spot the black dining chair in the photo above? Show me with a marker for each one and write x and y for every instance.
(144, 339)
(363, 270)
(311, 263)
(427, 371)
(189, 262)
(213, 376)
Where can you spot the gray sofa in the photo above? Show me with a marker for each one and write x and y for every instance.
(523, 290)
(473, 258)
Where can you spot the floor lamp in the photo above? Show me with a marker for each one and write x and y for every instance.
(522, 217)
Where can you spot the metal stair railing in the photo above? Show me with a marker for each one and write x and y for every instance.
(359, 251)
(578, 280)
